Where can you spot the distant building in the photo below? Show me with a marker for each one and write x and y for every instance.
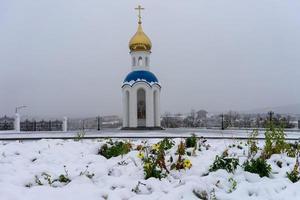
(6, 123)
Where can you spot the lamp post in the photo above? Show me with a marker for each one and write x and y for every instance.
(98, 123)
(222, 118)
(19, 108)
(83, 125)
(270, 115)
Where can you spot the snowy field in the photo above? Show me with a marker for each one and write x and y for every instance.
(29, 170)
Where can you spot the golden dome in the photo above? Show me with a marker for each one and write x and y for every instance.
(140, 41)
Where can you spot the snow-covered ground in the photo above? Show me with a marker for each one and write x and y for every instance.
(122, 177)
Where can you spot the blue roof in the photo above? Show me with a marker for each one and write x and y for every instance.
(142, 75)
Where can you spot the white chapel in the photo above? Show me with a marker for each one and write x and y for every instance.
(141, 89)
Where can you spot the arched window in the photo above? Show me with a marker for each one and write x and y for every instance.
(133, 61)
(147, 61)
(140, 61)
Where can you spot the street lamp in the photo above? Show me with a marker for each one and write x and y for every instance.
(222, 122)
(19, 108)
(98, 123)
(270, 113)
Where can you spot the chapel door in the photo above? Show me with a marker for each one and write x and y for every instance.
(141, 108)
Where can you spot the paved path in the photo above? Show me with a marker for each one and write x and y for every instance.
(115, 133)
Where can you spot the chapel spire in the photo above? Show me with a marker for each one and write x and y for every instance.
(140, 41)
(139, 8)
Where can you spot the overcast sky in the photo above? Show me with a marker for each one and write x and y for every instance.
(69, 58)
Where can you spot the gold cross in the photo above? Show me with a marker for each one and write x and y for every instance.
(139, 8)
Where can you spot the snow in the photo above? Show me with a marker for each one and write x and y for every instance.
(115, 178)
(139, 80)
